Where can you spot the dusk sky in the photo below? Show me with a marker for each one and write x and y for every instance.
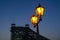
(20, 11)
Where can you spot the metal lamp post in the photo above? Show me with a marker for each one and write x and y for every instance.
(35, 19)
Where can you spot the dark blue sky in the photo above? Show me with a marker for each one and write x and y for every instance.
(20, 11)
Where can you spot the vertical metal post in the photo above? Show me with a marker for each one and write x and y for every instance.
(37, 36)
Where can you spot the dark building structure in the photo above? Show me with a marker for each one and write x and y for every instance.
(24, 33)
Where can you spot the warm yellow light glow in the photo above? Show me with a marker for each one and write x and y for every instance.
(34, 20)
(40, 11)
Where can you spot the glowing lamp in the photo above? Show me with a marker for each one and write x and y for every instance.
(39, 10)
(34, 19)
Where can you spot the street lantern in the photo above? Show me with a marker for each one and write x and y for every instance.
(34, 19)
(37, 18)
(39, 10)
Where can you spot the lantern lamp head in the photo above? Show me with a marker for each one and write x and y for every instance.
(34, 19)
(40, 10)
